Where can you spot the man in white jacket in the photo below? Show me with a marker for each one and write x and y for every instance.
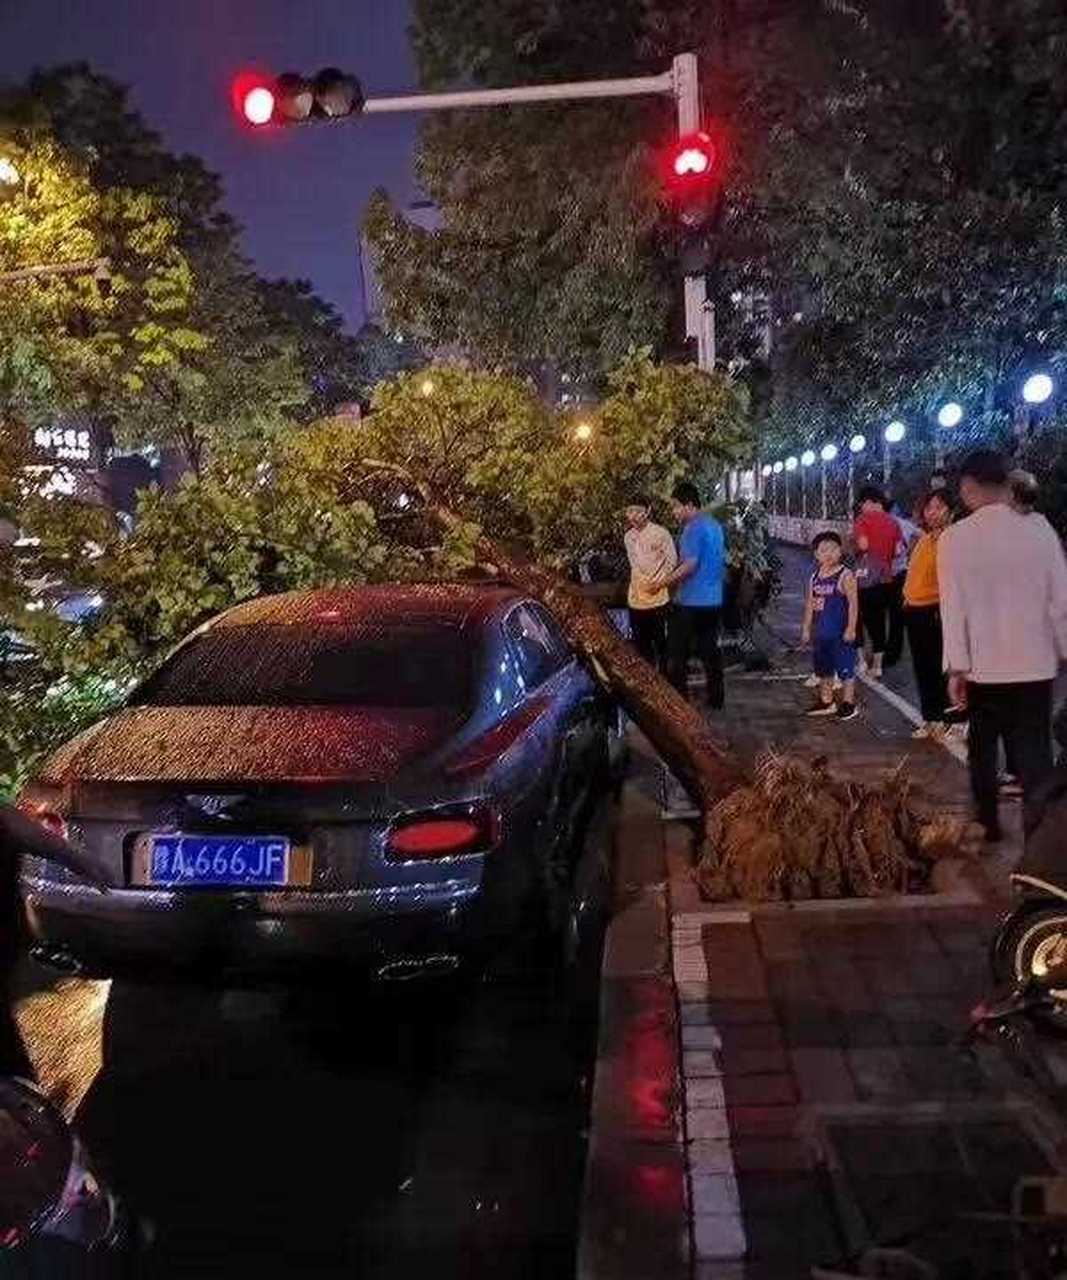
(652, 555)
(1003, 581)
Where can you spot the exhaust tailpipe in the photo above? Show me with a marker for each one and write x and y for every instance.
(417, 967)
(56, 957)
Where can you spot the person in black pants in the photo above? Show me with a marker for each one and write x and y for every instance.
(697, 583)
(922, 616)
(1003, 583)
(695, 629)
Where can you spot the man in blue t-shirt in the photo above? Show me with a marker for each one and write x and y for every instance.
(696, 585)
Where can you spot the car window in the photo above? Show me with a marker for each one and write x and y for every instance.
(534, 644)
(328, 665)
(560, 647)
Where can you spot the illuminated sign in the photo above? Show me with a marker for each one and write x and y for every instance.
(69, 443)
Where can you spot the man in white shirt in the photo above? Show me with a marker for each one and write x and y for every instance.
(1003, 583)
(650, 551)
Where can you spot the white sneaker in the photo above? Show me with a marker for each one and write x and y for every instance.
(930, 729)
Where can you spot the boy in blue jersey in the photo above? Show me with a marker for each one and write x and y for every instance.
(831, 614)
(696, 587)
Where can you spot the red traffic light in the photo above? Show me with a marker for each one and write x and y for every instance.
(258, 105)
(253, 98)
(293, 99)
(692, 158)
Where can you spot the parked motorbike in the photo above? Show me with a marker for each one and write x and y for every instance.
(1029, 950)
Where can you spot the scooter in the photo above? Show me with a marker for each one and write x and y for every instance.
(1029, 950)
(50, 1198)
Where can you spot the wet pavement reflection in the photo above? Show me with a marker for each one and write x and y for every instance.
(391, 1132)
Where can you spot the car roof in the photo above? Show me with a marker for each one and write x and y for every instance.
(443, 603)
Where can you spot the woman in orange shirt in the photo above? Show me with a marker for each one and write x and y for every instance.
(922, 615)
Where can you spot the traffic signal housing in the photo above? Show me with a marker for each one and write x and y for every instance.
(295, 99)
(692, 182)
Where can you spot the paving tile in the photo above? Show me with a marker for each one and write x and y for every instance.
(879, 1074)
(711, 1155)
(718, 1235)
(935, 1072)
(747, 1062)
(822, 1075)
(811, 1028)
(779, 938)
(715, 1193)
(867, 1031)
(701, 1037)
(706, 1123)
(770, 1155)
(707, 1092)
(762, 1122)
(809, 1239)
(741, 1012)
(701, 1062)
(752, 1036)
(760, 1091)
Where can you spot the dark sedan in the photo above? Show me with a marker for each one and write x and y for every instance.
(390, 776)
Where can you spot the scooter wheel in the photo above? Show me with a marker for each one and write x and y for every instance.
(1031, 945)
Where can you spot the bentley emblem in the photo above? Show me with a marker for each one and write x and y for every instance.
(213, 806)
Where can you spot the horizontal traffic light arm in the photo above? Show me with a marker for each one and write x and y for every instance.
(633, 87)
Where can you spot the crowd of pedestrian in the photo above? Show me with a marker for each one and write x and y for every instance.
(974, 582)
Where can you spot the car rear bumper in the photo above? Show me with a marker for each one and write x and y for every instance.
(382, 931)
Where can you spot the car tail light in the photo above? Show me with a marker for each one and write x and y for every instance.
(490, 746)
(442, 834)
(45, 816)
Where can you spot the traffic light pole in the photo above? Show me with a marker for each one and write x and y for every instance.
(681, 82)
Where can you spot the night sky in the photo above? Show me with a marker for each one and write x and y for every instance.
(299, 193)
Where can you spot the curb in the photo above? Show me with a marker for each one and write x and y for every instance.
(634, 1213)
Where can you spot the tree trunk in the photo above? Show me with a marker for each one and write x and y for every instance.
(675, 728)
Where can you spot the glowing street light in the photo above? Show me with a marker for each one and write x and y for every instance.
(583, 432)
(790, 464)
(767, 469)
(1037, 388)
(827, 453)
(9, 174)
(778, 468)
(426, 387)
(893, 434)
(807, 458)
(857, 444)
(950, 415)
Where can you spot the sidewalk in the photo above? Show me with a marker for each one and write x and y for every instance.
(826, 1104)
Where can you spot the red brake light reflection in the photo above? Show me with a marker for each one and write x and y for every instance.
(442, 837)
(52, 822)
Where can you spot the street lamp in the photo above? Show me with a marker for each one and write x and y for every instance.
(894, 433)
(855, 446)
(807, 459)
(426, 387)
(827, 453)
(948, 416)
(1037, 388)
(583, 432)
(9, 174)
(790, 467)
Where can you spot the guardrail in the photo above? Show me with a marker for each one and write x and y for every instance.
(799, 530)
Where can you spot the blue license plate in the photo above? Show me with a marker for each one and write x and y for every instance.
(219, 860)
